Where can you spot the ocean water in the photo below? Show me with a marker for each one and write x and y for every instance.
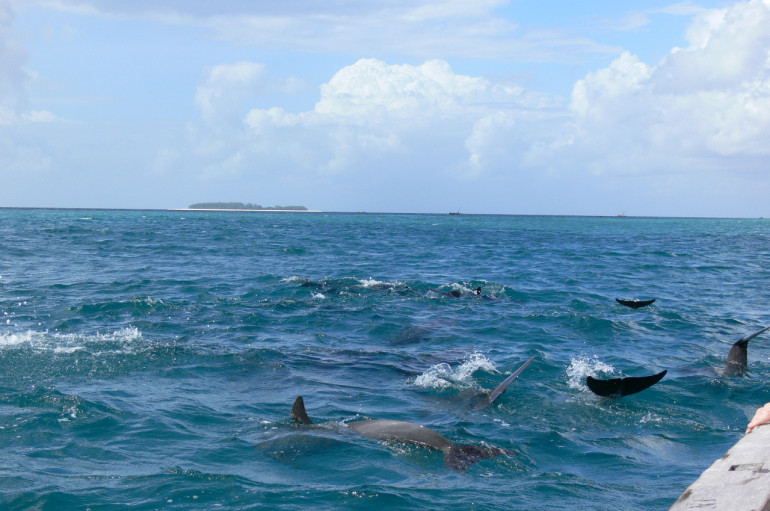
(150, 359)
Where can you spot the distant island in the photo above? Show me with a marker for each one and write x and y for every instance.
(242, 206)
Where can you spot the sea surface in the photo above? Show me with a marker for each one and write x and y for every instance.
(150, 359)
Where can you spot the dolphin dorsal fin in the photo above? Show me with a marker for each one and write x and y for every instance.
(504, 386)
(738, 356)
(298, 413)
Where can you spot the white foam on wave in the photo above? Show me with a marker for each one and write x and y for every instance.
(148, 301)
(581, 367)
(72, 411)
(14, 339)
(651, 417)
(319, 296)
(122, 339)
(373, 283)
(67, 350)
(370, 282)
(443, 375)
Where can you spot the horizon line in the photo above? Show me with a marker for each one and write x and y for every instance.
(360, 212)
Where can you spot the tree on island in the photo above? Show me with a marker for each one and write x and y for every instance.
(240, 205)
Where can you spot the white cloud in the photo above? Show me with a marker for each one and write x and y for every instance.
(10, 116)
(727, 47)
(39, 116)
(694, 124)
(371, 117)
(227, 85)
(424, 31)
(371, 90)
(625, 118)
(616, 84)
(449, 9)
(13, 57)
(231, 167)
(681, 9)
(227, 88)
(700, 115)
(706, 106)
(489, 136)
(14, 76)
(631, 21)
(371, 110)
(421, 29)
(261, 120)
(372, 87)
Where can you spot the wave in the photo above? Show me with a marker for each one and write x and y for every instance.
(136, 306)
(419, 289)
(121, 340)
(443, 376)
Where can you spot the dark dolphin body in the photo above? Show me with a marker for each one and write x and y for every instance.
(737, 358)
(635, 304)
(618, 387)
(456, 456)
(455, 293)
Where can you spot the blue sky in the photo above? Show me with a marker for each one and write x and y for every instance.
(482, 106)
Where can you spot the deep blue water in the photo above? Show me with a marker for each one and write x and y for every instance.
(149, 360)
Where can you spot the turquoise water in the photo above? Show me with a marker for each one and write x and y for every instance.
(149, 360)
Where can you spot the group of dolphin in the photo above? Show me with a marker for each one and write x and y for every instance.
(737, 362)
(459, 457)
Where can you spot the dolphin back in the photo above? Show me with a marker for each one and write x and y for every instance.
(459, 457)
(618, 387)
(298, 413)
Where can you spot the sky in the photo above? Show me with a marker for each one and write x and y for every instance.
(646, 108)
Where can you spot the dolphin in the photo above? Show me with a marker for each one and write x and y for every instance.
(737, 358)
(619, 387)
(635, 304)
(490, 397)
(455, 293)
(456, 456)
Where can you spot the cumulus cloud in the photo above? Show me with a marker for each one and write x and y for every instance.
(371, 87)
(371, 109)
(703, 106)
(727, 47)
(703, 109)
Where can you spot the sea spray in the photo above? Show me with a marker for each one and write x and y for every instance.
(443, 375)
(581, 367)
